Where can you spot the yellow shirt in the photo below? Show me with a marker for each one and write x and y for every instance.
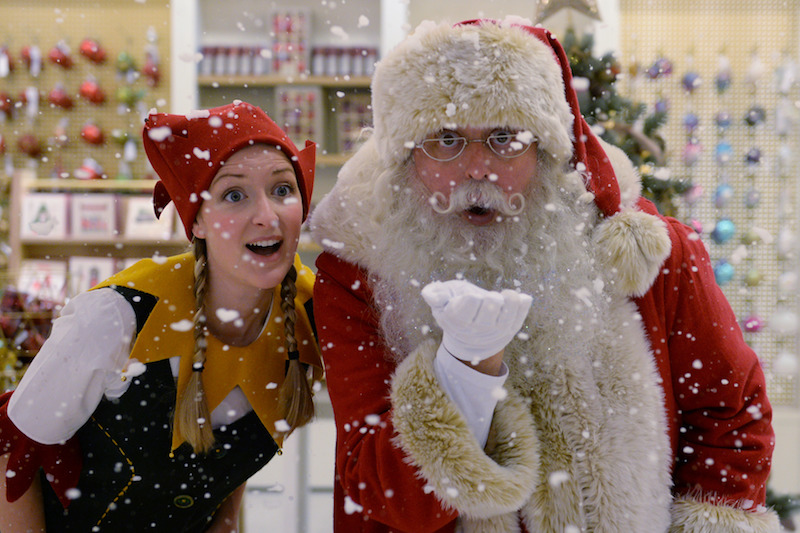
(258, 369)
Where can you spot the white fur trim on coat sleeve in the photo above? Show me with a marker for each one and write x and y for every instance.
(692, 516)
(437, 440)
(632, 246)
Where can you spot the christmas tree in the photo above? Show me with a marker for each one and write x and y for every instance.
(622, 122)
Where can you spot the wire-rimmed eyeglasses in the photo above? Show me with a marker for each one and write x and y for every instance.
(448, 145)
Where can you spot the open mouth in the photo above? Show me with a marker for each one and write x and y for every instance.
(265, 248)
(480, 215)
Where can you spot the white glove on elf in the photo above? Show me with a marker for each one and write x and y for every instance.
(476, 323)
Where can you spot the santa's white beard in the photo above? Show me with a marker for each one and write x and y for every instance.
(544, 251)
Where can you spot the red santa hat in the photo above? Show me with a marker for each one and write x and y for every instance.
(487, 73)
(186, 151)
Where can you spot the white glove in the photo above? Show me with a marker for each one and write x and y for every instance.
(476, 323)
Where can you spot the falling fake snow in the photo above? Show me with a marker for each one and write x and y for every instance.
(182, 325)
(351, 507)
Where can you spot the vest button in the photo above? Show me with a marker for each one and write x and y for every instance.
(183, 501)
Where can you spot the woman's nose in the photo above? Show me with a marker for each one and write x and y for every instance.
(265, 213)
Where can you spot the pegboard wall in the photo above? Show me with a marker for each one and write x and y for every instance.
(133, 35)
(722, 63)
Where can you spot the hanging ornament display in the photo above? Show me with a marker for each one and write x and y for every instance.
(61, 55)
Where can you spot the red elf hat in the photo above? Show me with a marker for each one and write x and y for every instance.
(187, 151)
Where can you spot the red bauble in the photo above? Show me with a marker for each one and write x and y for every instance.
(151, 71)
(59, 97)
(91, 91)
(92, 134)
(60, 55)
(6, 103)
(92, 50)
(29, 144)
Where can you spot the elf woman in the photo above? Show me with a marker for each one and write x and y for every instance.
(163, 389)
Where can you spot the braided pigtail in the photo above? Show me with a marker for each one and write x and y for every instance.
(192, 420)
(295, 397)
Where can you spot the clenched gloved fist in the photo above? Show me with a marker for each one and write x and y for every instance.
(476, 323)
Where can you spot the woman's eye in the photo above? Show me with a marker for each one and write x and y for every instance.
(284, 190)
(233, 196)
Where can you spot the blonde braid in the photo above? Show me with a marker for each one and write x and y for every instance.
(192, 419)
(295, 397)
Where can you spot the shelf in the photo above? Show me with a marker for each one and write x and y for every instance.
(71, 184)
(272, 80)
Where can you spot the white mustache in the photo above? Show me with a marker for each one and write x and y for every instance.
(481, 194)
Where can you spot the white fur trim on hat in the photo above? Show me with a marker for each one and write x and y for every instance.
(474, 75)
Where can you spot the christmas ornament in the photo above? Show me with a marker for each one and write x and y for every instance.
(722, 195)
(724, 76)
(6, 106)
(752, 277)
(753, 324)
(58, 97)
(30, 99)
(92, 50)
(29, 145)
(128, 95)
(755, 115)
(32, 58)
(753, 156)
(691, 81)
(723, 152)
(752, 198)
(691, 121)
(691, 152)
(662, 67)
(722, 120)
(90, 169)
(723, 231)
(60, 138)
(92, 133)
(6, 62)
(723, 272)
(152, 63)
(60, 55)
(547, 8)
(91, 91)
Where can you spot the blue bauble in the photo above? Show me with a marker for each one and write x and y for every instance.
(723, 231)
(722, 120)
(690, 121)
(723, 272)
(691, 81)
(722, 195)
(752, 198)
(723, 152)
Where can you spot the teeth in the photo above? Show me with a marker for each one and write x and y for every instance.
(265, 244)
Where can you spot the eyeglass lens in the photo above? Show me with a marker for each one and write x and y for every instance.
(449, 147)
